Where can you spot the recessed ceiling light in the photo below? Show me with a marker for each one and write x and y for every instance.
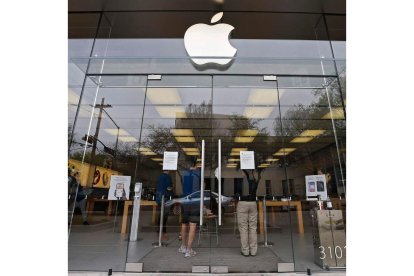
(182, 139)
(238, 149)
(163, 95)
(284, 151)
(263, 97)
(192, 153)
(337, 114)
(190, 149)
(127, 139)
(114, 131)
(247, 132)
(312, 132)
(182, 132)
(301, 139)
(272, 159)
(257, 112)
(73, 98)
(171, 111)
(233, 159)
(148, 153)
(243, 139)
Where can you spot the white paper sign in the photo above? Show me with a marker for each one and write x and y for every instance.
(119, 187)
(247, 160)
(316, 185)
(170, 161)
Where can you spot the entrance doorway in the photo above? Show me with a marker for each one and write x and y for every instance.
(209, 119)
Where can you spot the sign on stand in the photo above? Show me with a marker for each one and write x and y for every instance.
(170, 161)
(316, 186)
(119, 187)
(247, 160)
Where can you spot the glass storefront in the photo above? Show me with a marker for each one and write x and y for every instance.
(133, 97)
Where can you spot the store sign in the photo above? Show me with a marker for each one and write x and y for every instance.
(119, 187)
(316, 186)
(247, 160)
(170, 161)
(202, 40)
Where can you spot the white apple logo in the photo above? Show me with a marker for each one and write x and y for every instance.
(202, 40)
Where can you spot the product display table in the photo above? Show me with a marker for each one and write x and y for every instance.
(129, 203)
(91, 204)
(271, 203)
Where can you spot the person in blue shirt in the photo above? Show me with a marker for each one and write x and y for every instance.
(164, 187)
(80, 200)
(191, 180)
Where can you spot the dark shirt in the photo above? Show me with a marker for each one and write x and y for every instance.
(80, 195)
(72, 185)
(251, 196)
(191, 182)
(163, 183)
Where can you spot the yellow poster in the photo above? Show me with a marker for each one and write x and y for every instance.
(102, 176)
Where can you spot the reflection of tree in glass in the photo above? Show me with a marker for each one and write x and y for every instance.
(299, 117)
(161, 138)
(261, 148)
(313, 116)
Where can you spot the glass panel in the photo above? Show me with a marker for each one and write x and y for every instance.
(183, 65)
(313, 123)
(177, 118)
(242, 123)
(106, 137)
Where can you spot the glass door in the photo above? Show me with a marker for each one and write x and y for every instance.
(245, 117)
(177, 118)
(208, 121)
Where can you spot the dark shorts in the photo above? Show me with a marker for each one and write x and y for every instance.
(190, 216)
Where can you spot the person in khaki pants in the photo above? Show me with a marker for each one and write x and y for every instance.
(247, 220)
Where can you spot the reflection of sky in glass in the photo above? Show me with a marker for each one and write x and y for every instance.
(245, 48)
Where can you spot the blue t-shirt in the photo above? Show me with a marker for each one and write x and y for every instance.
(191, 182)
(163, 183)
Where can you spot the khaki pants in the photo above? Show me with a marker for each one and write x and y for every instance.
(247, 220)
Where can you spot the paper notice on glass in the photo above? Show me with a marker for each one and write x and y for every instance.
(170, 161)
(247, 160)
(119, 187)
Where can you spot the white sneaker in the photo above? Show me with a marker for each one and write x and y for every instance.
(190, 253)
(182, 249)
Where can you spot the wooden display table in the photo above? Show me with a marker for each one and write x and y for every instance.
(90, 204)
(270, 203)
(129, 203)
